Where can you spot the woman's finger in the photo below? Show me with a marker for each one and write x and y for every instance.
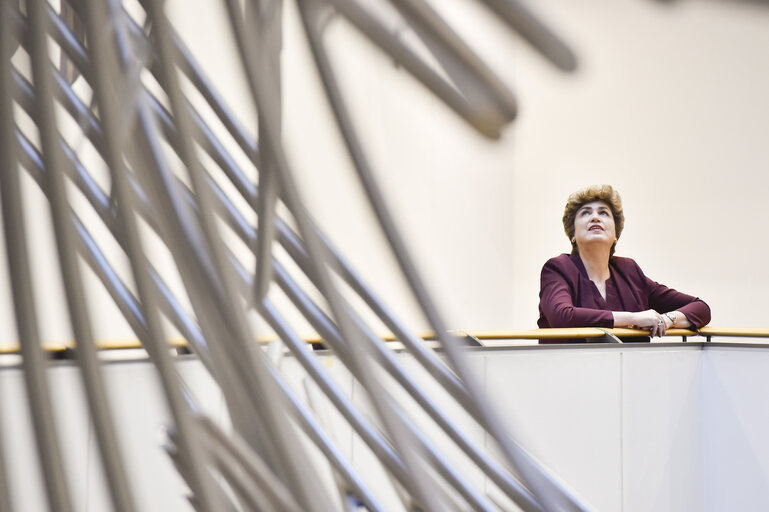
(658, 327)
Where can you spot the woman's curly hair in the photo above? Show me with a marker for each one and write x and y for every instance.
(589, 194)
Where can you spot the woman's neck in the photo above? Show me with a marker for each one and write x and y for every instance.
(596, 264)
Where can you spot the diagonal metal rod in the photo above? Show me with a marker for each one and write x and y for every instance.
(371, 28)
(491, 95)
(536, 33)
(242, 490)
(111, 457)
(35, 379)
(277, 496)
(373, 439)
(263, 56)
(90, 251)
(21, 283)
(191, 69)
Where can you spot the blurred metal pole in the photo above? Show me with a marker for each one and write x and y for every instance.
(266, 18)
(537, 34)
(9, 186)
(93, 382)
(49, 451)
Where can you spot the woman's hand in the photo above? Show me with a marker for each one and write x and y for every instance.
(656, 323)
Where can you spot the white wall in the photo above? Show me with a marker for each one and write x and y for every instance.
(736, 477)
(627, 427)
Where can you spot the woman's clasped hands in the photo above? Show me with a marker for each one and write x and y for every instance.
(656, 323)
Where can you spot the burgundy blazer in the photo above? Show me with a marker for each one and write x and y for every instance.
(568, 298)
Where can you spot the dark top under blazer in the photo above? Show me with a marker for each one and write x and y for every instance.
(568, 298)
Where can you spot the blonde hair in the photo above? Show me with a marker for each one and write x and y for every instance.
(589, 194)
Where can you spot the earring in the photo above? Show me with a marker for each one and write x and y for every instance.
(573, 240)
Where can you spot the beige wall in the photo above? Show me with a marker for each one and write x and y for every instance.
(670, 105)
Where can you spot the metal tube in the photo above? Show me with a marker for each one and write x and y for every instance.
(536, 33)
(273, 489)
(371, 28)
(93, 381)
(51, 463)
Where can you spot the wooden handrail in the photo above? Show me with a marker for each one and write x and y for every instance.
(568, 332)
(483, 335)
(590, 332)
(735, 332)
(536, 334)
(13, 348)
(621, 331)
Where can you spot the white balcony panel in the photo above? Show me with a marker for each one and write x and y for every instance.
(564, 406)
(662, 458)
(628, 428)
(735, 423)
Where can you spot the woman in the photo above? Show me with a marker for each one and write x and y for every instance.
(593, 288)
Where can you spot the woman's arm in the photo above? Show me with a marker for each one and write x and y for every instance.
(687, 310)
(678, 319)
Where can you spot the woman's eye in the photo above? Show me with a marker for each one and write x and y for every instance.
(604, 212)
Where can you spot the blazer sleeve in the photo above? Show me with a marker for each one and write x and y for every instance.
(555, 300)
(663, 299)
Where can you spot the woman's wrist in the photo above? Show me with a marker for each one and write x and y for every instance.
(622, 318)
(671, 315)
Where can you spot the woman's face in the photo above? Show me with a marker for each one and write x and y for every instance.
(594, 224)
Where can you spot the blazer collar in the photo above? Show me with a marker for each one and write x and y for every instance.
(578, 263)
